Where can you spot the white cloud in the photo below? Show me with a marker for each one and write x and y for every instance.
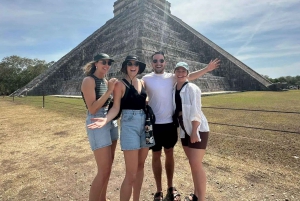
(195, 12)
(292, 69)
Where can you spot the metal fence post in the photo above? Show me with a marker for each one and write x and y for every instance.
(43, 99)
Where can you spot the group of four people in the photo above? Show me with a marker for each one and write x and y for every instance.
(170, 96)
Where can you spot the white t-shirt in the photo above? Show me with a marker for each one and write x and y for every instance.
(159, 88)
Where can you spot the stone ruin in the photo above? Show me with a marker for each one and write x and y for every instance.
(142, 27)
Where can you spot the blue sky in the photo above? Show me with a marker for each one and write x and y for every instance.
(265, 35)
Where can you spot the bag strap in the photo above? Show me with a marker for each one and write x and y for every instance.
(183, 85)
(126, 83)
(149, 114)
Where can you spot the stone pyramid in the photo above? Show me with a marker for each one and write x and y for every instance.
(142, 27)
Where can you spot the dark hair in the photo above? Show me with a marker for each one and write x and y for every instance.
(159, 52)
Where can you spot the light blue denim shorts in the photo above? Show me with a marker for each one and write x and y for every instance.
(132, 136)
(101, 137)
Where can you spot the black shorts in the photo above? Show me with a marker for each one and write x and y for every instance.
(165, 135)
(187, 140)
(197, 145)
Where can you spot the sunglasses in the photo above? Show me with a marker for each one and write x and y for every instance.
(133, 64)
(106, 62)
(160, 60)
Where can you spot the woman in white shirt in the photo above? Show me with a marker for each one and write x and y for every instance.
(194, 127)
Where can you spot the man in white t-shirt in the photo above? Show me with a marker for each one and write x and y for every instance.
(159, 86)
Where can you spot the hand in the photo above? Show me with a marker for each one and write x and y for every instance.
(194, 138)
(213, 64)
(111, 84)
(99, 122)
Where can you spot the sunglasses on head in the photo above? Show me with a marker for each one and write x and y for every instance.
(106, 62)
(160, 60)
(132, 64)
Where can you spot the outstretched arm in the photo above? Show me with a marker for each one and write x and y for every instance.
(213, 64)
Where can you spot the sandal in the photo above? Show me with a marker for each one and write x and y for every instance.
(191, 197)
(158, 196)
(173, 194)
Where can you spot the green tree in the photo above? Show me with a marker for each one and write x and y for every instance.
(290, 80)
(16, 72)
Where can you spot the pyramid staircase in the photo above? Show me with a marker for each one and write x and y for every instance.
(142, 27)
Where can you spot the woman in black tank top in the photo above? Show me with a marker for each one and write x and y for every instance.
(133, 142)
(96, 92)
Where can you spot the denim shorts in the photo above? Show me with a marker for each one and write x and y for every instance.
(132, 134)
(101, 137)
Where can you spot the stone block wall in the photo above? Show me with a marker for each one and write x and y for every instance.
(142, 27)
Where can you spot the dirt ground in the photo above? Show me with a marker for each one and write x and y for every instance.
(46, 156)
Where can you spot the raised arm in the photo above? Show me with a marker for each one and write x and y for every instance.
(88, 90)
(118, 93)
(100, 122)
(213, 64)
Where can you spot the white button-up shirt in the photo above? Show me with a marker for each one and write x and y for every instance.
(190, 96)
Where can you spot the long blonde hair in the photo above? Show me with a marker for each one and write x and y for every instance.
(89, 68)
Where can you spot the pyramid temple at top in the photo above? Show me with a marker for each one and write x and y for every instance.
(141, 27)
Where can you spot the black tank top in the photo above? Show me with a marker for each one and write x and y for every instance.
(178, 100)
(134, 100)
(100, 89)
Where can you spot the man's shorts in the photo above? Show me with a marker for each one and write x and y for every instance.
(186, 141)
(165, 135)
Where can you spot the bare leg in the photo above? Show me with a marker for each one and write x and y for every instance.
(169, 165)
(157, 169)
(195, 157)
(131, 162)
(113, 148)
(140, 174)
(99, 184)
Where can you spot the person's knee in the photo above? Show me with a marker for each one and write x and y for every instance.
(195, 164)
(103, 175)
(141, 166)
(169, 152)
(130, 177)
(156, 154)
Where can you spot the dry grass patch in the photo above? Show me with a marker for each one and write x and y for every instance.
(45, 155)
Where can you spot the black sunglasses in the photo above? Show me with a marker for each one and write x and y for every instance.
(133, 64)
(108, 62)
(160, 60)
